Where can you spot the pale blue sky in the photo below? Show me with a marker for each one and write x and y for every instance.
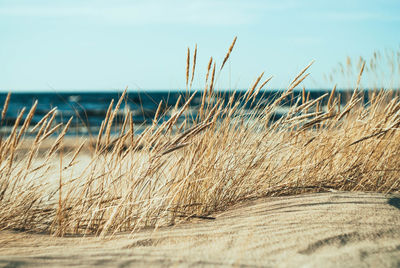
(92, 45)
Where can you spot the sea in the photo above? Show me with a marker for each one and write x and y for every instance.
(89, 109)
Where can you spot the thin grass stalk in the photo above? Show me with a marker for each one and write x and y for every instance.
(112, 116)
(210, 90)
(5, 107)
(27, 121)
(187, 67)
(249, 93)
(194, 65)
(208, 69)
(331, 97)
(59, 139)
(44, 118)
(228, 53)
(49, 124)
(300, 74)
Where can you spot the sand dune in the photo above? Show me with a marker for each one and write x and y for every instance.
(327, 229)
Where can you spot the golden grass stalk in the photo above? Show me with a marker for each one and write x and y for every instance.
(44, 118)
(49, 124)
(249, 93)
(59, 139)
(297, 82)
(27, 121)
(131, 127)
(300, 74)
(50, 132)
(157, 113)
(175, 117)
(228, 53)
(263, 85)
(208, 68)
(187, 67)
(5, 107)
(112, 116)
(331, 97)
(60, 209)
(355, 92)
(71, 163)
(103, 126)
(309, 104)
(11, 141)
(212, 81)
(125, 123)
(194, 65)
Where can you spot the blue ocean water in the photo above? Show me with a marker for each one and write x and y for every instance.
(89, 108)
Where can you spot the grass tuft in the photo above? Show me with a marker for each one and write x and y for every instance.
(208, 162)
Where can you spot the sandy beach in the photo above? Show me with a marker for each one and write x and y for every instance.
(334, 229)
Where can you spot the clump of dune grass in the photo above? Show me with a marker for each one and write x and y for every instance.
(382, 70)
(221, 156)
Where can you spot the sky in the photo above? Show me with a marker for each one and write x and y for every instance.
(57, 45)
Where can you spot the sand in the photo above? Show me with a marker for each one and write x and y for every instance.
(333, 229)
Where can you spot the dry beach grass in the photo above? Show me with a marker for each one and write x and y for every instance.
(222, 156)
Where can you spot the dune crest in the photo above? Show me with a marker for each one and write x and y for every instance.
(324, 229)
